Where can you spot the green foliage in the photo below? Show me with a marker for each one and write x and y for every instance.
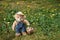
(42, 15)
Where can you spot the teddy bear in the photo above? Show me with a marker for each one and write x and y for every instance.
(19, 24)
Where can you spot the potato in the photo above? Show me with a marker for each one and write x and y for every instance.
(29, 30)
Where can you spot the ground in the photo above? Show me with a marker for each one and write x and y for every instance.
(43, 15)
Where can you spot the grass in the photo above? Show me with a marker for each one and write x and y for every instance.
(44, 16)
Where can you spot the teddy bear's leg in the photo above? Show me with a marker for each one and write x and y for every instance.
(17, 34)
(23, 31)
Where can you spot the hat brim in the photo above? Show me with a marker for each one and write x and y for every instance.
(19, 14)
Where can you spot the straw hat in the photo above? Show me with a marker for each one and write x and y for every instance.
(20, 13)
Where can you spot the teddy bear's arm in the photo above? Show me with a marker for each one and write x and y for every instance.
(13, 26)
(27, 22)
